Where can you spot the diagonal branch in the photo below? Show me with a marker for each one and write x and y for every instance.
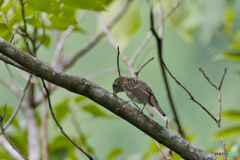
(113, 43)
(70, 61)
(1, 123)
(63, 37)
(18, 106)
(114, 104)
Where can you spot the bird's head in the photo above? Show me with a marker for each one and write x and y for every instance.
(117, 85)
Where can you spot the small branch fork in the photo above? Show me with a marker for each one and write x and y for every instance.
(159, 44)
(58, 124)
(1, 123)
(218, 88)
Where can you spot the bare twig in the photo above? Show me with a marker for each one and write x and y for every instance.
(136, 73)
(1, 121)
(18, 106)
(159, 44)
(151, 114)
(11, 38)
(220, 85)
(149, 35)
(63, 37)
(9, 149)
(58, 124)
(12, 87)
(113, 43)
(25, 34)
(191, 97)
(160, 33)
(219, 104)
(102, 73)
(69, 62)
(118, 52)
(12, 76)
(44, 34)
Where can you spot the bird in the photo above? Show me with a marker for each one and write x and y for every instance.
(137, 90)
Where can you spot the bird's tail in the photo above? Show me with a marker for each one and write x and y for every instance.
(155, 104)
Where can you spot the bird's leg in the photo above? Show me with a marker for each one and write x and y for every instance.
(143, 107)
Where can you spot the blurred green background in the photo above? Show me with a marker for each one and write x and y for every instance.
(193, 38)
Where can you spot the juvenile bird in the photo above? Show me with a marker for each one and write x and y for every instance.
(137, 90)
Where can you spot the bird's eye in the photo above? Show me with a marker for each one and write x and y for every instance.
(114, 85)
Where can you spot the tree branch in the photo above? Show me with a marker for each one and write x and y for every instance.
(113, 103)
(159, 44)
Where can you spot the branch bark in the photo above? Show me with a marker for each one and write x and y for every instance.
(114, 104)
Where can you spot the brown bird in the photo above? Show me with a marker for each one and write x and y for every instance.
(137, 90)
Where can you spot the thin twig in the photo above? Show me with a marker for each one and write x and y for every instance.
(136, 73)
(151, 114)
(8, 148)
(102, 73)
(208, 78)
(63, 37)
(159, 44)
(191, 97)
(44, 34)
(11, 38)
(220, 85)
(70, 61)
(58, 124)
(12, 87)
(149, 35)
(1, 121)
(113, 43)
(25, 34)
(118, 52)
(160, 33)
(18, 106)
(219, 103)
(12, 76)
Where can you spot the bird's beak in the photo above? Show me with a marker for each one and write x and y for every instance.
(114, 93)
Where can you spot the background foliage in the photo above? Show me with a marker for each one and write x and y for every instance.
(202, 33)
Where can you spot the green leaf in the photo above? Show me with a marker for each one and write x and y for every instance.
(129, 23)
(60, 154)
(47, 40)
(1, 3)
(61, 23)
(228, 132)
(232, 114)
(60, 142)
(232, 55)
(152, 149)
(95, 5)
(17, 17)
(6, 8)
(34, 21)
(95, 111)
(48, 6)
(8, 114)
(61, 109)
(80, 98)
(114, 153)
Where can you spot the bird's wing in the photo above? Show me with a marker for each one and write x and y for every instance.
(139, 88)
